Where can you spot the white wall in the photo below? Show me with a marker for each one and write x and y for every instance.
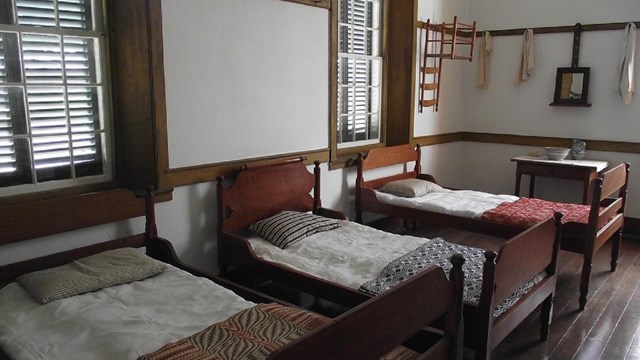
(507, 106)
(190, 219)
(450, 116)
(252, 74)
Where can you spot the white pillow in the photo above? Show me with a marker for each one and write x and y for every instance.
(410, 187)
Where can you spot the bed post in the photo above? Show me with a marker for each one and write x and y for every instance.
(547, 304)
(418, 166)
(592, 232)
(454, 326)
(359, 184)
(484, 316)
(221, 218)
(316, 187)
(617, 237)
(150, 228)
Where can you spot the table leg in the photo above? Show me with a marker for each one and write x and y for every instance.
(532, 184)
(518, 178)
(588, 177)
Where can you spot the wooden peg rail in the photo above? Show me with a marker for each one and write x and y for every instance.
(560, 29)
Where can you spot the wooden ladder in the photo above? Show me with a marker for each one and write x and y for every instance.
(441, 41)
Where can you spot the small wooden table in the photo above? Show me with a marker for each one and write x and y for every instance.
(582, 170)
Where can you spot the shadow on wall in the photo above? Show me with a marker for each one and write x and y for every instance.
(200, 243)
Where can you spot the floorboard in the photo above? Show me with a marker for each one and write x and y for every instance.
(608, 328)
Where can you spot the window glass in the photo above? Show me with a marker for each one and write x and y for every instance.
(53, 128)
(359, 72)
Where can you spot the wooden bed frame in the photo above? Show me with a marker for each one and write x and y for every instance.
(259, 191)
(370, 330)
(606, 216)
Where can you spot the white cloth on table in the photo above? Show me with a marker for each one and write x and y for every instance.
(528, 61)
(627, 67)
(486, 46)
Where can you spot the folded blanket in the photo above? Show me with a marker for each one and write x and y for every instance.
(526, 212)
(437, 252)
(251, 334)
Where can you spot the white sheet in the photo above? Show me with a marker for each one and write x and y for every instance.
(353, 254)
(349, 255)
(121, 322)
(463, 203)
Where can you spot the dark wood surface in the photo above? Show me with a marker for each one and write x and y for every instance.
(555, 169)
(371, 322)
(606, 214)
(238, 209)
(606, 329)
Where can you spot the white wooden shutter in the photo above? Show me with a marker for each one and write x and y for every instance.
(359, 72)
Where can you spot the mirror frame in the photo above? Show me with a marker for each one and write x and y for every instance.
(585, 85)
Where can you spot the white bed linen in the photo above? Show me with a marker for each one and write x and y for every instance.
(349, 255)
(120, 322)
(462, 203)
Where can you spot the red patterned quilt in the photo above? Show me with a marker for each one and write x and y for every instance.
(526, 212)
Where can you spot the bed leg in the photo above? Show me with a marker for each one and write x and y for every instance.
(615, 249)
(584, 282)
(545, 317)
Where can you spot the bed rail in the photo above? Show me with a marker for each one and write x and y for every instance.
(378, 330)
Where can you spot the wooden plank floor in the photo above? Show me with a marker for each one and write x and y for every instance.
(608, 328)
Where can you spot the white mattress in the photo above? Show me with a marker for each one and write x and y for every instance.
(354, 254)
(121, 322)
(349, 255)
(462, 203)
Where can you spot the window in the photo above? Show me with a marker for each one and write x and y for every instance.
(359, 71)
(53, 120)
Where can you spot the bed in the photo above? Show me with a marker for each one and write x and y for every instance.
(166, 313)
(335, 262)
(585, 227)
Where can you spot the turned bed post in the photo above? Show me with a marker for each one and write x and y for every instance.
(617, 238)
(359, 184)
(316, 188)
(150, 228)
(221, 218)
(547, 304)
(484, 314)
(454, 326)
(418, 166)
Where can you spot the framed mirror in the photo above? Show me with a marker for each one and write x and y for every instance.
(572, 86)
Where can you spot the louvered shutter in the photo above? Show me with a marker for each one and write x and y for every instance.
(359, 72)
(61, 95)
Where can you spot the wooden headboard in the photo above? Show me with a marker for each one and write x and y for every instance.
(264, 188)
(388, 156)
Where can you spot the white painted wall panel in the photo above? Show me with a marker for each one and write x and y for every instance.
(244, 78)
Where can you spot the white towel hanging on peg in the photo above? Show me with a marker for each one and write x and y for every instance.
(627, 67)
(528, 61)
(486, 46)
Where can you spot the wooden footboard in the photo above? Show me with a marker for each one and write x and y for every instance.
(518, 261)
(377, 328)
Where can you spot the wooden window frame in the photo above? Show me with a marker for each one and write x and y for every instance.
(398, 88)
(140, 132)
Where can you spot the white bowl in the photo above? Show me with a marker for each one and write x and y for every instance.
(556, 153)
